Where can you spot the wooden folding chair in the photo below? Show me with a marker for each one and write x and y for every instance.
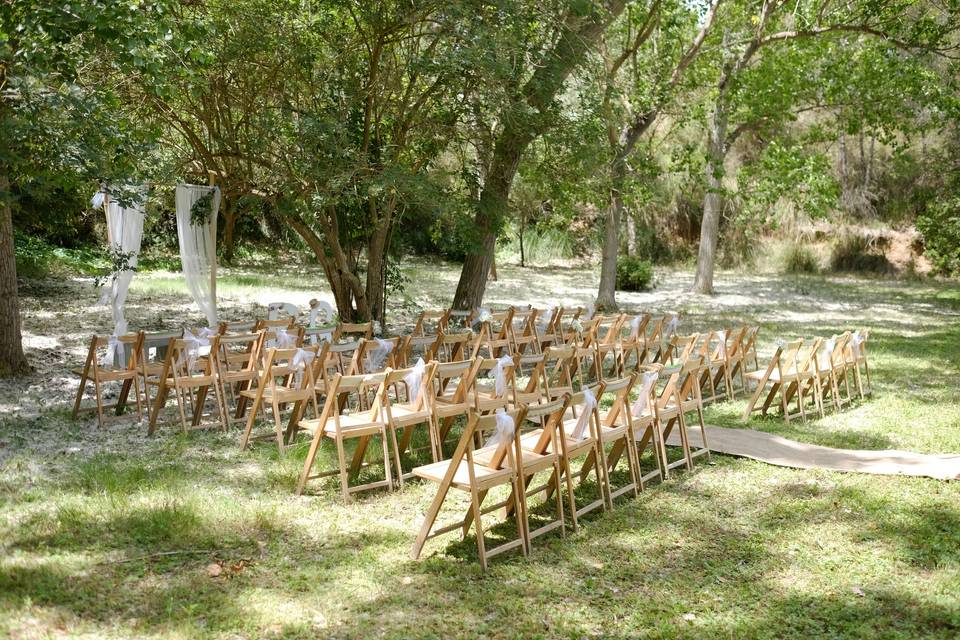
(238, 367)
(101, 369)
(340, 427)
(495, 334)
(607, 345)
(667, 329)
(318, 335)
(828, 370)
(559, 369)
(736, 344)
(549, 331)
(856, 356)
(458, 320)
(632, 349)
(189, 375)
(523, 333)
(277, 323)
(791, 374)
(716, 367)
(376, 355)
(465, 472)
(646, 425)
(286, 379)
(452, 387)
(580, 440)
(678, 348)
(416, 410)
(616, 431)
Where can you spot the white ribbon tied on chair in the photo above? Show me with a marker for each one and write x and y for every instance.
(483, 315)
(377, 357)
(590, 311)
(586, 409)
(825, 357)
(114, 346)
(195, 344)
(722, 339)
(643, 400)
(506, 427)
(672, 325)
(543, 323)
(301, 360)
(635, 326)
(285, 340)
(499, 376)
(414, 379)
(855, 341)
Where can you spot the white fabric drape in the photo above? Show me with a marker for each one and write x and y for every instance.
(124, 233)
(198, 248)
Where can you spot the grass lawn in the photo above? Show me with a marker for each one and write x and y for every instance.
(111, 534)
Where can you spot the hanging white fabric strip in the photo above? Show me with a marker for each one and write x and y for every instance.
(499, 376)
(124, 233)
(198, 249)
(643, 400)
(414, 379)
(506, 426)
(377, 357)
(586, 410)
(302, 359)
(635, 326)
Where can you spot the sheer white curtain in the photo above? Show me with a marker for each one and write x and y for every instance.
(124, 233)
(198, 248)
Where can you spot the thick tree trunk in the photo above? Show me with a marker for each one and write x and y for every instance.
(631, 234)
(712, 201)
(229, 227)
(346, 287)
(607, 293)
(376, 249)
(582, 28)
(12, 360)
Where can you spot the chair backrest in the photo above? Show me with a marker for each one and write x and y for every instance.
(237, 326)
(347, 330)
(735, 342)
(617, 392)
(787, 362)
(608, 328)
(681, 347)
(418, 386)
(535, 390)
(342, 356)
(503, 372)
(376, 355)
(318, 335)
(239, 352)
(117, 353)
(548, 324)
(464, 371)
(417, 346)
(559, 367)
(458, 319)
(451, 347)
(486, 426)
(291, 369)
(287, 323)
(431, 322)
(340, 386)
(549, 415)
(190, 358)
(688, 382)
(634, 329)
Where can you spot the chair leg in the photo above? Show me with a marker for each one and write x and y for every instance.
(478, 524)
(570, 497)
(386, 458)
(277, 425)
(396, 451)
(99, 392)
(80, 389)
(344, 478)
(159, 401)
(308, 463)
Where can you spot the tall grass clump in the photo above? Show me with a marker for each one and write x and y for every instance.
(540, 246)
(854, 252)
(799, 258)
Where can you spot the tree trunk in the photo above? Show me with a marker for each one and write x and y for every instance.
(631, 234)
(607, 293)
(12, 360)
(712, 201)
(581, 29)
(229, 226)
(376, 249)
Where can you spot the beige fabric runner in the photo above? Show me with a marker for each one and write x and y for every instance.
(773, 449)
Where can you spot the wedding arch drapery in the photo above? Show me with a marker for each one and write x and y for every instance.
(124, 233)
(198, 249)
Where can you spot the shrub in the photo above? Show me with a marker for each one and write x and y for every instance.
(799, 258)
(854, 252)
(634, 274)
(940, 228)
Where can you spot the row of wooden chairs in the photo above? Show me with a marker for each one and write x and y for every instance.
(812, 374)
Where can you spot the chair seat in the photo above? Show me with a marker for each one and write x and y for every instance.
(106, 374)
(404, 415)
(486, 477)
(531, 461)
(282, 394)
(530, 440)
(351, 425)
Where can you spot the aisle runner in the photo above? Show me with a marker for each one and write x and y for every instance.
(773, 449)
